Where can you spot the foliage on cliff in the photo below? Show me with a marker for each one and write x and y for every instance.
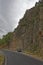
(5, 41)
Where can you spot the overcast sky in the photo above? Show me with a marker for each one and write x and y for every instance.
(10, 13)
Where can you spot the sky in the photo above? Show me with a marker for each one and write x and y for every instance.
(11, 11)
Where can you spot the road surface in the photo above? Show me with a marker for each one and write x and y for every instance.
(17, 58)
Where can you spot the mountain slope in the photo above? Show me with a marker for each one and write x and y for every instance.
(29, 33)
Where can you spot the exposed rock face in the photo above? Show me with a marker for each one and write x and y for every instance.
(29, 33)
(41, 0)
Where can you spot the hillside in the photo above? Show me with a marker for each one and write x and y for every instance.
(29, 33)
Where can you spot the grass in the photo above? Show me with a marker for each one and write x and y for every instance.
(1, 59)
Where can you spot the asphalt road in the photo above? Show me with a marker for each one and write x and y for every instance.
(17, 58)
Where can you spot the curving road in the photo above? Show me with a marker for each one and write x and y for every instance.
(16, 58)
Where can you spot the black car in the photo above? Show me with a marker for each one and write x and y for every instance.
(19, 50)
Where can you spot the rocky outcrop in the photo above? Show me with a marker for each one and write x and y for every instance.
(29, 33)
